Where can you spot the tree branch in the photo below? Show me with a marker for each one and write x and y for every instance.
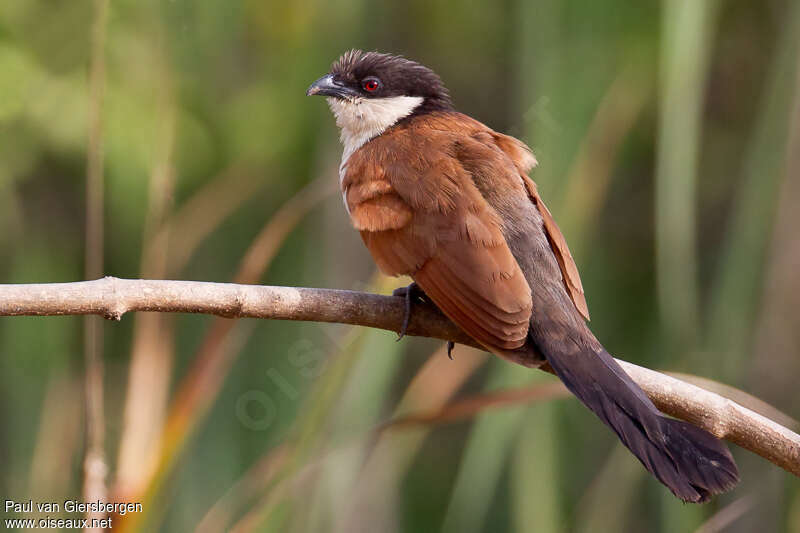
(113, 297)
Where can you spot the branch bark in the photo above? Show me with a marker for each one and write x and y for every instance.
(113, 297)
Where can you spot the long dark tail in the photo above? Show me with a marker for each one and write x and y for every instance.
(691, 462)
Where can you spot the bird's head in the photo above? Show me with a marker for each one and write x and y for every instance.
(370, 92)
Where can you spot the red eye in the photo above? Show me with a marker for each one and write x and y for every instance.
(371, 85)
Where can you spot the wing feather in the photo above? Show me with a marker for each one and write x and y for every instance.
(572, 279)
(445, 236)
(518, 159)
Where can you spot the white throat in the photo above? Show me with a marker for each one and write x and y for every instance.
(361, 119)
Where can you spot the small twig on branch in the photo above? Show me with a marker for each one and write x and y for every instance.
(113, 297)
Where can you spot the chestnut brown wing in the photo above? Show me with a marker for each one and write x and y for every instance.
(420, 214)
(524, 161)
(572, 279)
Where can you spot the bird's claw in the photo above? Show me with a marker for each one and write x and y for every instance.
(409, 293)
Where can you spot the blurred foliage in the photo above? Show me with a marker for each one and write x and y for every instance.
(664, 132)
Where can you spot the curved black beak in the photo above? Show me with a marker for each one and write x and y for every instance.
(327, 86)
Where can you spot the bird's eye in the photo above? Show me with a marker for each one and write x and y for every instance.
(371, 85)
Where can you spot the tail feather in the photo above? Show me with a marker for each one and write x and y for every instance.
(691, 462)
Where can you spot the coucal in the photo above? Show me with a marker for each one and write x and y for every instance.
(446, 200)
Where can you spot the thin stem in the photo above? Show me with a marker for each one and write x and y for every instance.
(94, 466)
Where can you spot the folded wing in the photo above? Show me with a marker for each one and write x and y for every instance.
(420, 215)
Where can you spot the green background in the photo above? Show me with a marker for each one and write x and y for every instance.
(668, 136)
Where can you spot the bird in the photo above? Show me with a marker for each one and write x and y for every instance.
(439, 196)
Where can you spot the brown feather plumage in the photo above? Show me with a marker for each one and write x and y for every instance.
(451, 243)
(427, 167)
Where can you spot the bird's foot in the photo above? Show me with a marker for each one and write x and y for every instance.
(410, 293)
